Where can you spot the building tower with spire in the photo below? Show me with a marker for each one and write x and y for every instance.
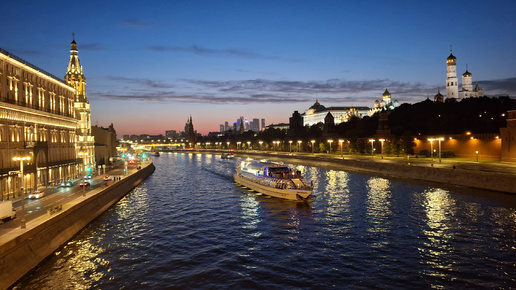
(452, 84)
(191, 133)
(85, 143)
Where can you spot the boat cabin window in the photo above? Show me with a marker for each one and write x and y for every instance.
(278, 172)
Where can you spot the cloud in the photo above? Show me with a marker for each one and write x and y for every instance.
(230, 52)
(263, 91)
(500, 87)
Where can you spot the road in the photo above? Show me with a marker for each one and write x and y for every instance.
(56, 196)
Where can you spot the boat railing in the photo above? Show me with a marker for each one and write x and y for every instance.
(277, 182)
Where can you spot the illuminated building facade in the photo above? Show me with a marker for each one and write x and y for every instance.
(317, 112)
(37, 120)
(452, 84)
(85, 142)
(45, 121)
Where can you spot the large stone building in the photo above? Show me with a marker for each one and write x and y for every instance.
(105, 144)
(317, 112)
(45, 122)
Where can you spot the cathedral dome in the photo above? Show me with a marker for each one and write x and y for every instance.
(439, 97)
(466, 74)
(386, 94)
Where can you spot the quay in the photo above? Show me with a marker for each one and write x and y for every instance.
(488, 175)
(23, 246)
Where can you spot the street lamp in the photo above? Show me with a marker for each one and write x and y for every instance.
(431, 148)
(440, 139)
(290, 145)
(22, 193)
(381, 147)
(313, 141)
(341, 149)
(477, 155)
(330, 141)
(238, 144)
(299, 145)
(248, 145)
(228, 144)
(261, 142)
(372, 146)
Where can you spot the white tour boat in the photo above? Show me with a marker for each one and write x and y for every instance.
(273, 179)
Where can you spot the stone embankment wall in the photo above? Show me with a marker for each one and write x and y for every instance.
(26, 251)
(496, 181)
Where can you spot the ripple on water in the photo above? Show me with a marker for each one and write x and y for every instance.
(189, 226)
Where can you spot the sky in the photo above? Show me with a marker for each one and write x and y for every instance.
(150, 65)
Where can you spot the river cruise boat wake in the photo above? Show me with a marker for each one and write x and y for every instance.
(229, 155)
(273, 179)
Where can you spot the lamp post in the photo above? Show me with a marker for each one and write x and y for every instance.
(261, 142)
(477, 155)
(238, 144)
(248, 145)
(22, 193)
(330, 141)
(341, 149)
(83, 155)
(381, 147)
(228, 144)
(290, 145)
(372, 146)
(440, 139)
(313, 141)
(299, 145)
(432, 148)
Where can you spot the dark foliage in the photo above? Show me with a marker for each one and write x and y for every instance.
(478, 115)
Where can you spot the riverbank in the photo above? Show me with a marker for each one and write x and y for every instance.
(489, 176)
(21, 250)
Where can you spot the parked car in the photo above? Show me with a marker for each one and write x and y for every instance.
(36, 194)
(107, 178)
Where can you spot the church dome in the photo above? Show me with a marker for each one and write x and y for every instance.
(386, 94)
(376, 104)
(466, 74)
(439, 97)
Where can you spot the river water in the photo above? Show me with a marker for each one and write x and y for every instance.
(188, 226)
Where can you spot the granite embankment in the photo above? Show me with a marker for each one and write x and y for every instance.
(44, 235)
(495, 181)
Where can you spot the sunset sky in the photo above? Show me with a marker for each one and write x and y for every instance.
(149, 65)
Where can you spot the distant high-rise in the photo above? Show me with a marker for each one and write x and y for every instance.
(255, 125)
(263, 124)
(222, 128)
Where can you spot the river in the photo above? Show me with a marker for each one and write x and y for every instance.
(188, 226)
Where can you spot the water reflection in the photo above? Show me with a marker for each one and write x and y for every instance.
(378, 210)
(437, 249)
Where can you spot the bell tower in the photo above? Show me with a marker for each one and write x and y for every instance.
(452, 84)
(85, 142)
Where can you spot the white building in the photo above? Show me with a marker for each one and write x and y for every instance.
(452, 84)
(385, 104)
(317, 112)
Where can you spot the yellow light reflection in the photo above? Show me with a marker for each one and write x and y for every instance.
(379, 209)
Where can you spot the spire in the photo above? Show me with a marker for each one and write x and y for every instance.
(74, 75)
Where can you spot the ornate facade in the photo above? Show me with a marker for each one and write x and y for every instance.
(40, 121)
(85, 145)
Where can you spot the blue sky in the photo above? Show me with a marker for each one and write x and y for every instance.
(151, 64)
